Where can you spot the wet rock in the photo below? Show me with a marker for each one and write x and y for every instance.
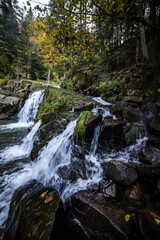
(148, 176)
(84, 130)
(51, 128)
(76, 169)
(150, 155)
(32, 212)
(4, 116)
(118, 109)
(37, 146)
(84, 107)
(147, 112)
(148, 171)
(136, 131)
(154, 126)
(45, 133)
(111, 135)
(108, 118)
(154, 141)
(78, 152)
(135, 195)
(93, 217)
(133, 115)
(133, 99)
(122, 173)
(7, 103)
(108, 188)
(46, 117)
(149, 223)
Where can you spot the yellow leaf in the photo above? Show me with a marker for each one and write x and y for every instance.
(157, 220)
(43, 194)
(127, 217)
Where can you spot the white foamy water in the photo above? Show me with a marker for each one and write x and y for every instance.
(28, 113)
(22, 149)
(105, 112)
(30, 108)
(101, 101)
(13, 158)
(14, 154)
(126, 155)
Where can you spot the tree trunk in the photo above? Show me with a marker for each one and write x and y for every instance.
(10, 70)
(137, 52)
(17, 72)
(143, 41)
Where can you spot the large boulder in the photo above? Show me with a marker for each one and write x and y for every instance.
(121, 172)
(150, 155)
(7, 103)
(148, 222)
(154, 126)
(108, 188)
(133, 114)
(45, 133)
(134, 99)
(32, 212)
(154, 141)
(111, 135)
(84, 130)
(147, 112)
(72, 171)
(136, 131)
(93, 217)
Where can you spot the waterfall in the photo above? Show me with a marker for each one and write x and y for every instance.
(16, 154)
(14, 158)
(22, 150)
(17, 169)
(29, 110)
(56, 154)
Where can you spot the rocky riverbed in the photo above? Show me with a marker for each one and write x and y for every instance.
(109, 186)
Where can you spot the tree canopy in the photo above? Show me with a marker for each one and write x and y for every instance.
(80, 40)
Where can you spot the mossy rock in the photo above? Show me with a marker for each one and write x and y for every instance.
(59, 101)
(84, 129)
(53, 104)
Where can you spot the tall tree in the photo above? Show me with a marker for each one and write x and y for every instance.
(9, 33)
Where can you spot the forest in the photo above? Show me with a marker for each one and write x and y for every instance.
(80, 119)
(105, 47)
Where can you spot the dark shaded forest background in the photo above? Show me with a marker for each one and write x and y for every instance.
(108, 47)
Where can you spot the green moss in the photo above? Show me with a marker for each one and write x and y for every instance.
(2, 82)
(55, 102)
(79, 131)
(37, 86)
(119, 108)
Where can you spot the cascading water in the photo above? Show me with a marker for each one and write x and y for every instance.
(101, 101)
(24, 149)
(28, 113)
(58, 153)
(29, 110)
(13, 158)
